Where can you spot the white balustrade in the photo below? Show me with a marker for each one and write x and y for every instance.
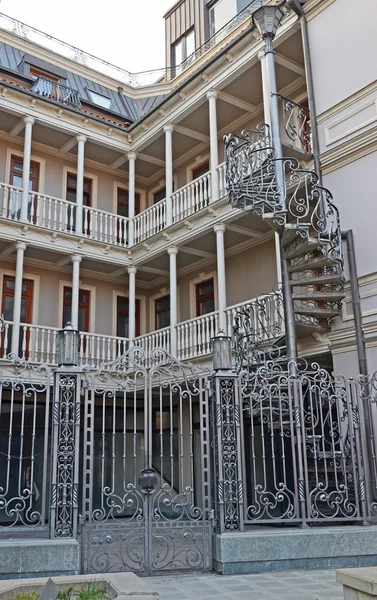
(52, 213)
(194, 336)
(5, 339)
(10, 201)
(156, 339)
(222, 183)
(192, 197)
(38, 343)
(150, 221)
(105, 227)
(96, 349)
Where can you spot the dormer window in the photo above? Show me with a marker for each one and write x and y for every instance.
(182, 49)
(222, 12)
(99, 99)
(37, 74)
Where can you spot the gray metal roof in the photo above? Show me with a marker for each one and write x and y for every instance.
(127, 109)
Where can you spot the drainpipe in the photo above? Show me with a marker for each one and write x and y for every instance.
(355, 293)
(295, 5)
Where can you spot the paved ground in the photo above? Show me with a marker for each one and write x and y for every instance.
(286, 585)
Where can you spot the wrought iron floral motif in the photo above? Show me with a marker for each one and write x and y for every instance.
(297, 123)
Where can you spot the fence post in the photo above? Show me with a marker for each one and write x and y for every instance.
(65, 452)
(228, 452)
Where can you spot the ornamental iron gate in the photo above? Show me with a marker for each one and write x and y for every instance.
(146, 497)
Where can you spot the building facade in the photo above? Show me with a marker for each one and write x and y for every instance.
(114, 206)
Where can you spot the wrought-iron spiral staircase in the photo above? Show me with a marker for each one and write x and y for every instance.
(290, 199)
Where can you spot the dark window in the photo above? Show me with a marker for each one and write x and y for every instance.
(84, 308)
(162, 312)
(15, 178)
(26, 309)
(122, 202)
(159, 195)
(205, 298)
(200, 170)
(72, 189)
(123, 317)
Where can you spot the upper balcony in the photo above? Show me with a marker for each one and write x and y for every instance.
(56, 91)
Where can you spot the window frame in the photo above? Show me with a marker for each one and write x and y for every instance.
(69, 303)
(86, 179)
(35, 179)
(137, 199)
(157, 312)
(201, 298)
(40, 74)
(182, 40)
(137, 314)
(90, 92)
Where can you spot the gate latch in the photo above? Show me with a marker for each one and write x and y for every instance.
(148, 481)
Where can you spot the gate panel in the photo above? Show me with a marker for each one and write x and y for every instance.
(146, 480)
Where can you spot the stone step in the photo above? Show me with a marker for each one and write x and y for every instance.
(317, 280)
(314, 263)
(335, 296)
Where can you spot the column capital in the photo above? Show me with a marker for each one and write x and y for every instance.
(169, 127)
(261, 55)
(132, 270)
(29, 119)
(219, 227)
(76, 258)
(81, 138)
(132, 156)
(20, 246)
(212, 94)
(172, 250)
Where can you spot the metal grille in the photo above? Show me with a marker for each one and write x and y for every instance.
(137, 419)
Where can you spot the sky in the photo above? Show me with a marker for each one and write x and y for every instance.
(128, 33)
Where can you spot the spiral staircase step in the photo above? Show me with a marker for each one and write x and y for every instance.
(314, 263)
(317, 279)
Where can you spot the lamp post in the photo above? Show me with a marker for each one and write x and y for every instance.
(267, 20)
(68, 346)
(226, 424)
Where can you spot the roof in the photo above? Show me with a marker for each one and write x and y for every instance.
(123, 108)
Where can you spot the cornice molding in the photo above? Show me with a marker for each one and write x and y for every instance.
(347, 102)
(349, 151)
(314, 7)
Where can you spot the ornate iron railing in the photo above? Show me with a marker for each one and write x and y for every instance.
(57, 91)
(296, 119)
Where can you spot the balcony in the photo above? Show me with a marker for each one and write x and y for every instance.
(38, 344)
(57, 91)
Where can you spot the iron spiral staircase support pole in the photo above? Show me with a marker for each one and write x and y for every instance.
(290, 328)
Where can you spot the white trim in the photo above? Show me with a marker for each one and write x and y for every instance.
(143, 311)
(203, 276)
(199, 160)
(36, 286)
(125, 186)
(327, 130)
(42, 167)
(92, 306)
(91, 176)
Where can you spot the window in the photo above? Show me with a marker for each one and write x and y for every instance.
(162, 312)
(99, 99)
(84, 308)
(221, 13)
(72, 189)
(36, 74)
(182, 50)
(122, 202)
(200, 170)
(123, 317)
(205, 297)
(159, 195)
(26, 309)
(15, 178)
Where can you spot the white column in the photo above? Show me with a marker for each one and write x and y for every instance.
(214, 152)
(132, 304)
(221, 280)
(267, 119)
(20, 248)
(76, 260)
(173, 300)
(29, 121)
(169, 128)
(81, 139)
(131, 196)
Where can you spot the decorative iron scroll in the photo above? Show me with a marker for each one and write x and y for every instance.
(297, 123)
(24, 440)
(65, 455)
(227, 428)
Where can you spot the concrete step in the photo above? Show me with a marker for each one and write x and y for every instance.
(318, 313)
(335, 296)
(318, 279)
(306, 247)
(314, 263)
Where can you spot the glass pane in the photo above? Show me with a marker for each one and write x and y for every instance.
(81, 326)
(207, 306)
(71, 196)
(8, 308)
(123, 195)
(190, 43)
(163, 319)
(163, 303)
(16, 180)
(99, 99)
(160, 195)
(23, 310)
(177, 53)
(122, 304)
(67, 315)
(18, 165)
(10, 284)
(83, 297)
(123, 210)
(67, 293)
(72, 180)
(122, 326)
(205, 288)
(87, 185)
(221, 14)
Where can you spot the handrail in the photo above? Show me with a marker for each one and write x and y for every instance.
(57, 91)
